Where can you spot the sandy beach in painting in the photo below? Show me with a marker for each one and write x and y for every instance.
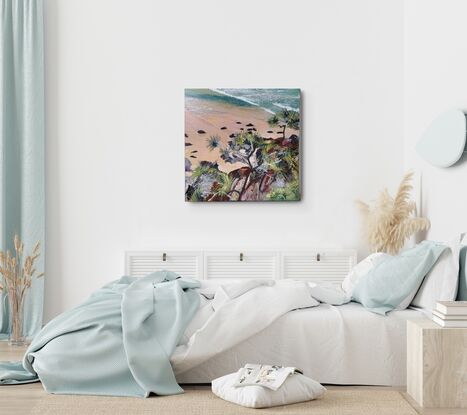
(211, 118)
(236, 126)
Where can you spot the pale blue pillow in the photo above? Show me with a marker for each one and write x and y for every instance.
(462, 291)
(395, 281)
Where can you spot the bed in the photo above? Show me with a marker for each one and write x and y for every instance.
(151, 330)
(332, 344)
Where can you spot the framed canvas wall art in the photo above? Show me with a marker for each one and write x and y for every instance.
(242, 145)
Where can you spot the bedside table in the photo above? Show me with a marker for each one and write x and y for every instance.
(436, 364)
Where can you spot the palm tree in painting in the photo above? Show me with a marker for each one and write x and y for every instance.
(247, 148)
(213, 142)
(285, 118)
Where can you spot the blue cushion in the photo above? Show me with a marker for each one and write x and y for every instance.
(462, 291)
(391, 282)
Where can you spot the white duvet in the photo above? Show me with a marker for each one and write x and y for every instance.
(236, 312)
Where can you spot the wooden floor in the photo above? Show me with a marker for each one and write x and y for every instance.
(19, 400)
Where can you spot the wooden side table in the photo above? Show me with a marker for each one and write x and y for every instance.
(436, 364)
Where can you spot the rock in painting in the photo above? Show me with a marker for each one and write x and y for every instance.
(187, 165)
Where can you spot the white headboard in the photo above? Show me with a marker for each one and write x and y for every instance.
(314, 265)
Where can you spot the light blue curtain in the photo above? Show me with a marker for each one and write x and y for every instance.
(22, 142)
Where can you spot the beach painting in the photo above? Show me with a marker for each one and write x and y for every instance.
(242, 145)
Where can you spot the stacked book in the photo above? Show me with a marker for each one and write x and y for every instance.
(450, 313)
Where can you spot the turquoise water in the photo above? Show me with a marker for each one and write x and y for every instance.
(272, 100)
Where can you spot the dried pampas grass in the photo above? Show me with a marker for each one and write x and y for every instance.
(390, 221)
(17, 272)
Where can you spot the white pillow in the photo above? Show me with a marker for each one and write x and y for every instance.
(362, 269)
(296, 388)
(441, 283)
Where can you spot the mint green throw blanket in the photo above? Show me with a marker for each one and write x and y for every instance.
(118, 342)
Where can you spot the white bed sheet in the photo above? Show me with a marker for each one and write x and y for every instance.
(345, 345)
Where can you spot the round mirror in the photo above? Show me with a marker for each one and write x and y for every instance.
(443, 143)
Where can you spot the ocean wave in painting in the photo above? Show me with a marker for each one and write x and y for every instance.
(271, 100)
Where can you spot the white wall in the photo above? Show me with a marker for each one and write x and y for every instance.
(435, 78)
(116, 71)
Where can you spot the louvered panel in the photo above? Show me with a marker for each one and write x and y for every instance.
(239, 265)
(187, 264)
(324, 266)
(332, 266)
